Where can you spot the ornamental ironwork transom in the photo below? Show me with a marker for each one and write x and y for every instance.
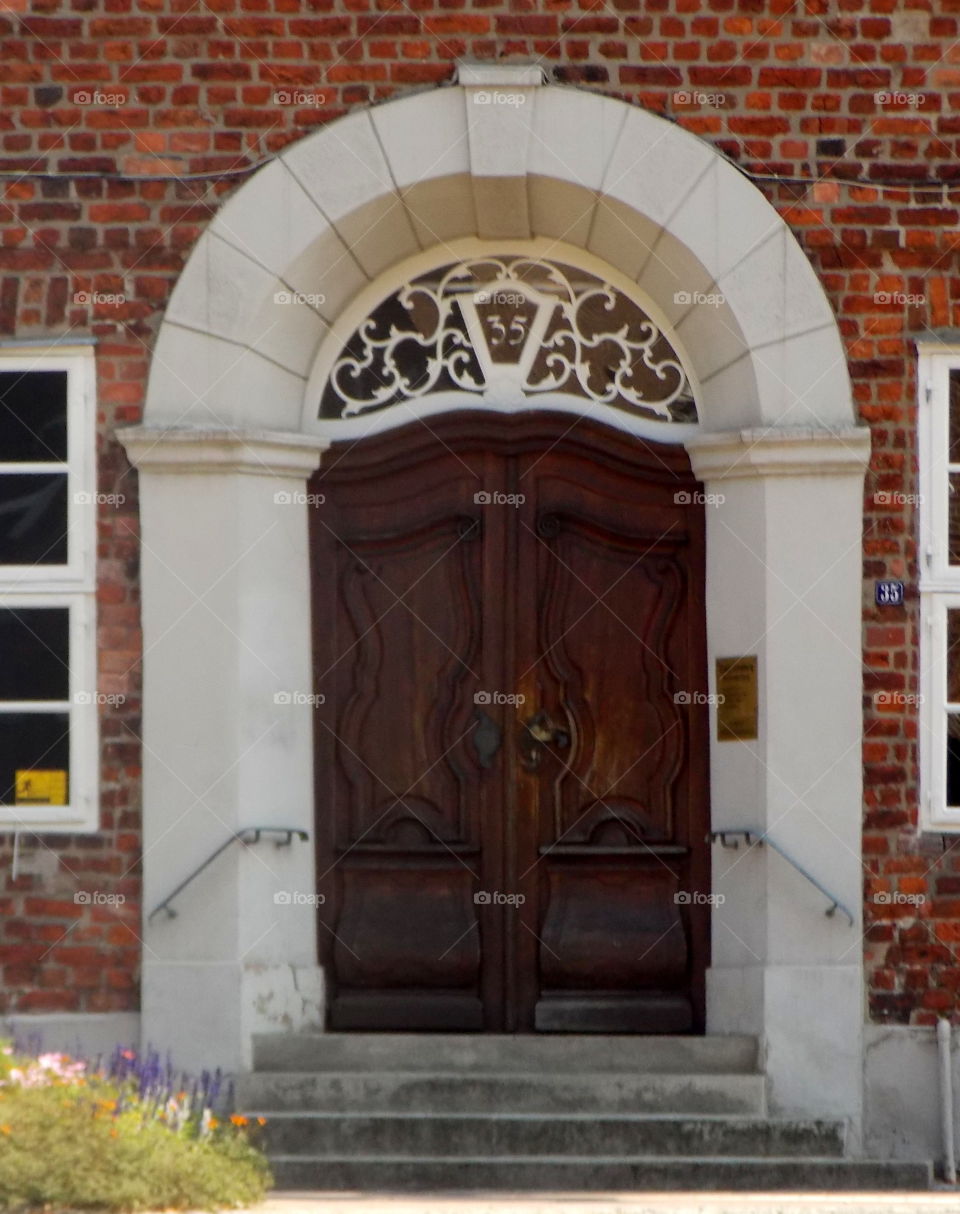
(503, 330)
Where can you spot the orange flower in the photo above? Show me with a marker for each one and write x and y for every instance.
(4, 1129)
(238, 1120)
(261, 1121)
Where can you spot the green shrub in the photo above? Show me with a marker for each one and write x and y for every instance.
(74, 1142)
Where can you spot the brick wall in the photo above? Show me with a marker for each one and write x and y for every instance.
(124, 123)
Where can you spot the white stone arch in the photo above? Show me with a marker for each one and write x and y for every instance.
(339, 208)
(226, 573)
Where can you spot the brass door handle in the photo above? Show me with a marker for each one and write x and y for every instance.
(537, 732)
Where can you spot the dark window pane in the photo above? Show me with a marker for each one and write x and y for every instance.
(34, 653)
(953, 655)
(953, 759)
(33, 416)
(34, 741)
(954, 456)
(33, 519)
(953, 518)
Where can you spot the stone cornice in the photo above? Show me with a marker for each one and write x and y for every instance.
(184, 450)
(800, 451)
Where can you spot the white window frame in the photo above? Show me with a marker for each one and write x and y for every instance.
(72, 585)
(939, 581)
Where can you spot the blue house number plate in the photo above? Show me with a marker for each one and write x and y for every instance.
(889, 594)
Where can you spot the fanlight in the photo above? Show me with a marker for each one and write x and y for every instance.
(502, 330)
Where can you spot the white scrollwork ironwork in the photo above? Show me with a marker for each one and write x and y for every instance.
(501, 329)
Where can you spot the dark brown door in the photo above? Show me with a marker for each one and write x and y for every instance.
(512, 745)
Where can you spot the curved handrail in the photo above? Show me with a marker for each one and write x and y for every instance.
(237, 836)
(752, 836)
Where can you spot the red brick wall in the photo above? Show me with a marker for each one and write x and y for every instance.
(98, 199)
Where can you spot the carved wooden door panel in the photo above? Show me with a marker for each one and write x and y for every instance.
(617, 786)
(511, 792)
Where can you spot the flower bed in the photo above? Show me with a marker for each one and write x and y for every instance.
(124, 1133)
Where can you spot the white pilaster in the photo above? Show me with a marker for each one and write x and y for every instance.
(228, 739)
(784, 583)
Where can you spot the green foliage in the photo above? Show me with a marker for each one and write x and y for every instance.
(88, 1143)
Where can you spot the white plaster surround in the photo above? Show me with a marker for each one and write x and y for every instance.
(226, 574)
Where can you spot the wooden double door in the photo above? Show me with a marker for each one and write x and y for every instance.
(511, 746)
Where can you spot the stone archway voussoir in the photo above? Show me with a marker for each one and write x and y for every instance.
(345, 204)
(198, 380)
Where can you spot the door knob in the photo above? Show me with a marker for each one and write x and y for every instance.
(539, 731)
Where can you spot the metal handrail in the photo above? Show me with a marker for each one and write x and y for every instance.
(237, 836)
(752, 836)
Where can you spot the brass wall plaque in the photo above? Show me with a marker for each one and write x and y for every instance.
(736, 699)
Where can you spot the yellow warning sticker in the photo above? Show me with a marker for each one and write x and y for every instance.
(41, 788)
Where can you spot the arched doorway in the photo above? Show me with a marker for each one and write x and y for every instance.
(510, 653)
(231, 430)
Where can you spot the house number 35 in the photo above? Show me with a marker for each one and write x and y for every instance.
(501, 335)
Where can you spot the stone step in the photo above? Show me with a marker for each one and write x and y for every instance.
(469, 1135)
(527, 1053)
(380, 1174)
(489, 1091)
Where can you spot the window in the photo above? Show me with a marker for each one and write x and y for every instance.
(48, 700)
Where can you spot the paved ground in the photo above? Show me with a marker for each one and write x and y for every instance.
(618, 1203)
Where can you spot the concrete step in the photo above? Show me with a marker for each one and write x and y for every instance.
(379, 1174)
(480, 1052)
(468, 1135)
(493, 1092)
